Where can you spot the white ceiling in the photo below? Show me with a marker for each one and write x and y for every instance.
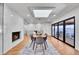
(25, 10)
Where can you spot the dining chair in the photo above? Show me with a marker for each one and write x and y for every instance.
(32, 41)
(39, 41)
(45, 42)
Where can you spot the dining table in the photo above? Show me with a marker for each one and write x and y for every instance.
(37, 35)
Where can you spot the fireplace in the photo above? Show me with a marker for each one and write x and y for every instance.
(15, 36)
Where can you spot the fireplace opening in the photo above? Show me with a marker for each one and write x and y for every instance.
(15, 36)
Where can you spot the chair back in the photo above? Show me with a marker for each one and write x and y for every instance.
(32, 38)
(45, 38)
(39, 40)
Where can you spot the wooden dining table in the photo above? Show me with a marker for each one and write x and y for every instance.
(37, 35)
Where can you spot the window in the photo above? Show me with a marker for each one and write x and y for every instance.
(69, 31)
(61, 31)
(65, 31)
(52, 30)
(56, 30)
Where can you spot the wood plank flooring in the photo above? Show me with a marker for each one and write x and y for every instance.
(62, 48)
(16, 50)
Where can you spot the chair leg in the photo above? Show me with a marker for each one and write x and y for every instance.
(43, 49)
(35, 49)
(33, 45)
(45, 45)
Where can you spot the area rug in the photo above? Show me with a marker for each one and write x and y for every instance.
(28, 50)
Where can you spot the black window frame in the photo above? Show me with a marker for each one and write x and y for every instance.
(63, 30)
(74, 31)
(54, 30)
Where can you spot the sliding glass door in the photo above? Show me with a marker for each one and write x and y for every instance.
(52, 30)
(65, 31)
(56, 31)
(69, 31)
(61, 31)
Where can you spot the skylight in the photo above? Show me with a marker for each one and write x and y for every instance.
(41, 13)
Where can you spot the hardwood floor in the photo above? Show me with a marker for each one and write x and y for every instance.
(16, 50)
(62, 48)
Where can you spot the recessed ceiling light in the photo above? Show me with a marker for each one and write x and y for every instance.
(0, 29)
(41, 13)
(31, 25)
(54, 15)
(11, 15)
(28, 15)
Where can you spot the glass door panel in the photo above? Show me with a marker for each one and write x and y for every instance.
(69, 32)
(56, 31)
(61, 31)
(52, 30)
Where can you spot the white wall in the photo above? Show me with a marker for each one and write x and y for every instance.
(1, 7)
(46, 28)
(68, 15)
(12, 23)
(31, 27)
